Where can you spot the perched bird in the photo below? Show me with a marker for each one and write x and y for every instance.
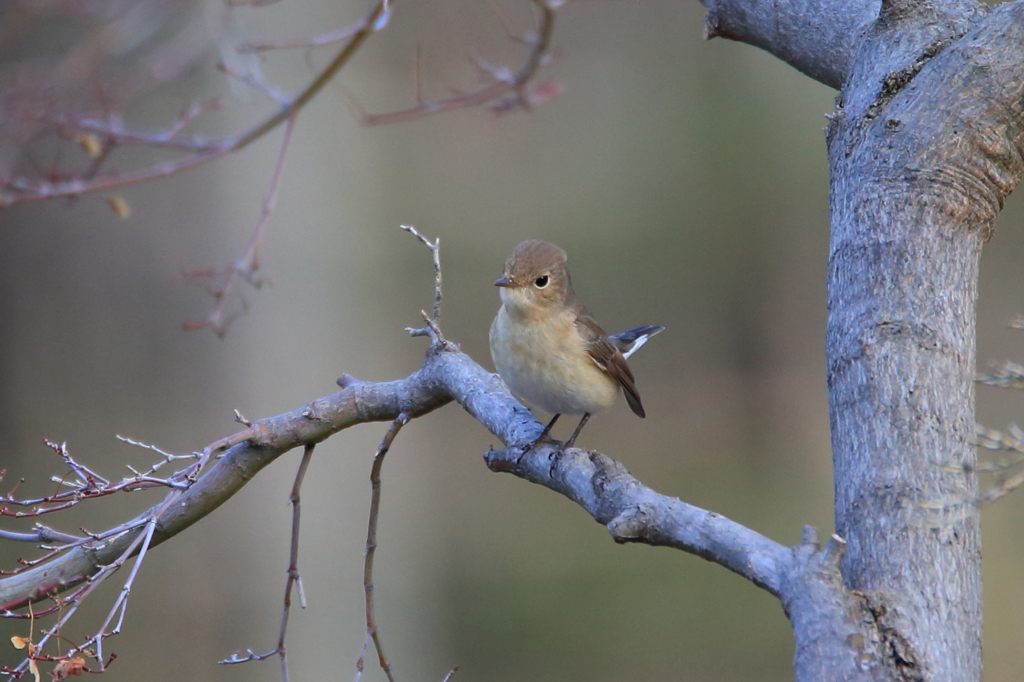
(549, 349)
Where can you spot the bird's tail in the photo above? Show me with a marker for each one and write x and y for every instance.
(629, 341)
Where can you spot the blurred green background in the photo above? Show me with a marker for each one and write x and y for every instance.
(688, 182)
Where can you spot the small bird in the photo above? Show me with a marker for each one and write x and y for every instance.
(549, 349)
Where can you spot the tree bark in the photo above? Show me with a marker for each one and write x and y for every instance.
(924, 146)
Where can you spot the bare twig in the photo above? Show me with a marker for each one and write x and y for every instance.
(1002, 488)
(294, 577)
(114, 133)
(433, 328)
(189, 474)
(326, 39)
(139, 547)
(73, 542)
(121, 603)
(254, 81)
(83, 472)
(1007, 375)
(76, 600)
(250, 655)
(168, 457)
(41, 534)
(1011, 442)
(18, 190)
(508, 90)
(103, 554)
(371, 548)
(90, 484)
(244, 269)
(435, 251)
(362, 657)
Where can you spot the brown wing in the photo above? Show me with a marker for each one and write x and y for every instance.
(610, 359)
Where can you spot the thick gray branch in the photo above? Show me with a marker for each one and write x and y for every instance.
(926, 143)
(632, 512)
(242, 456)
(807, 581)
(819, 38)
(825, 39)
(832, 631)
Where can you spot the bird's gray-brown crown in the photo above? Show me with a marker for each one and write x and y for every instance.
(534, 256)
(538, 265)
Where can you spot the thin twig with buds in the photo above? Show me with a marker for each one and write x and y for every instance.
(91, 484)
(94, 485)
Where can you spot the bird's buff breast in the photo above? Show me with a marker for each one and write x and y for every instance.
(545, 364)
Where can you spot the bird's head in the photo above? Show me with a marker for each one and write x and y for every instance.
(535, 278)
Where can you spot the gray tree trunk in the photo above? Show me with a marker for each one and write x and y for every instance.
(924, 146)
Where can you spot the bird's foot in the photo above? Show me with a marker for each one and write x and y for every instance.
(543, 439)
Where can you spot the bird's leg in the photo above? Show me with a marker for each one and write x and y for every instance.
(543, 434)
(572, 438)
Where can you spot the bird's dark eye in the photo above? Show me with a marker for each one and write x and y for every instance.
(541, 281)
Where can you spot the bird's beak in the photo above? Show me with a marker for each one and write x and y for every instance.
(505, 281)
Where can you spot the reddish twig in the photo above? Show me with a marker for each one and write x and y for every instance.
(508, 90)
(244, 269)
(18, 190)
(140, 545)
(73, 541)
(91, 485)
(95, 485)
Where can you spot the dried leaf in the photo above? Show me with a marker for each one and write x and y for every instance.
(92, 145)
(68, 667)
(120, 206)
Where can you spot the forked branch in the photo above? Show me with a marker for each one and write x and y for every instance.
(201, 150)
(506, 89)
(805, 579)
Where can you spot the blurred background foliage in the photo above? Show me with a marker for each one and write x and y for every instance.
(688, 182)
